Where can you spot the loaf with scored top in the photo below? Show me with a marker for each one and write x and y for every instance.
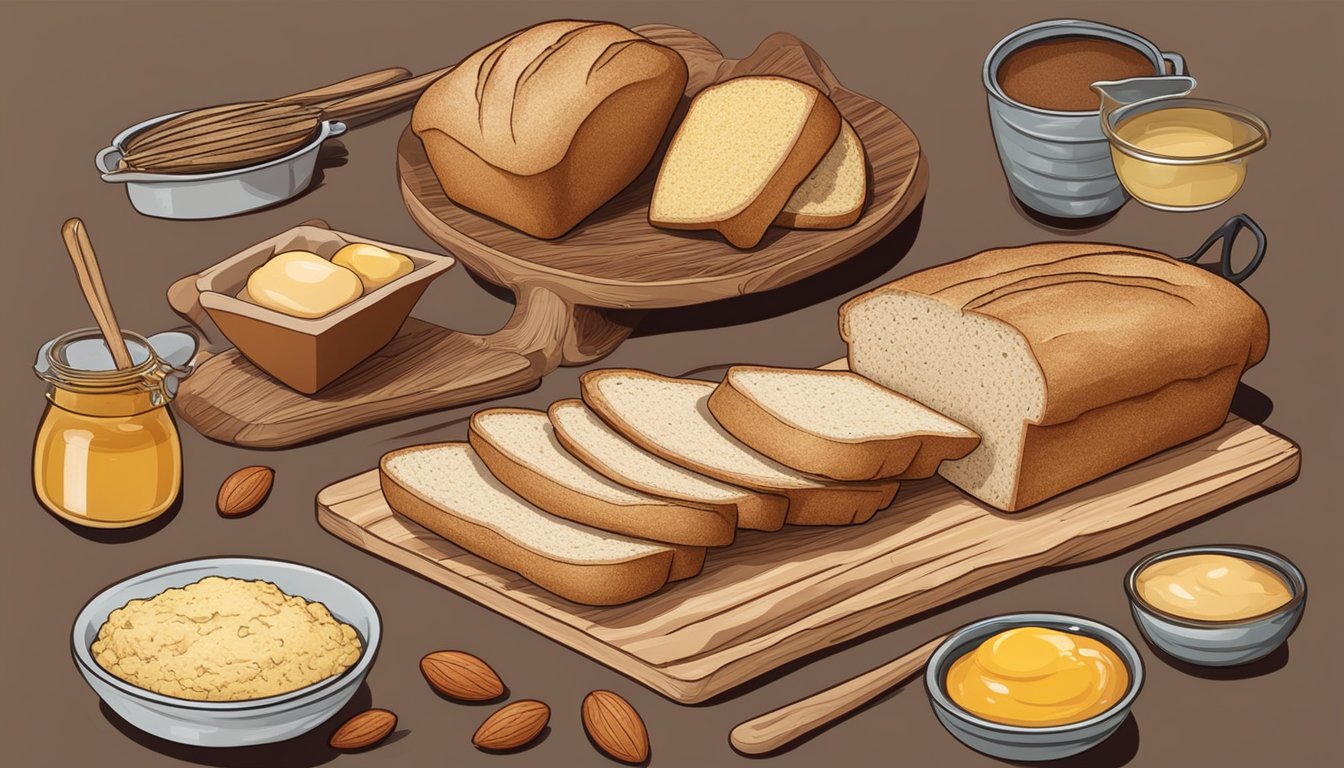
(541, 128)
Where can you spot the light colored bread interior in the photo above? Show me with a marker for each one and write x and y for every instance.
(527, 436)
(839, 405)
(579, 425)
(452, 477)
(673, 414)
(832, 196)
(522, 451)
(600, 446)
(970, 367)
(729, 146)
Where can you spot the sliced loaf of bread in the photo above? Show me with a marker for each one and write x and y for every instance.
(671, 418)
(833, 195)
(836, 424)
(743, 148)
(521, 450)
(604, 449)
(446, 488)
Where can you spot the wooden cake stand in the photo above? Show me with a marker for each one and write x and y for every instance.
(564, 288)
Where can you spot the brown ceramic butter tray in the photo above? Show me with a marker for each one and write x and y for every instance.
(308, 354)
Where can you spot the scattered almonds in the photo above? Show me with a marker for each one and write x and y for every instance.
(461, 676)
(244, 491)
(615, 727)
(364, 730)
(513, 726)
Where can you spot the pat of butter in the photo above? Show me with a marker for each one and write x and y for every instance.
(375, 266)
(303, 284)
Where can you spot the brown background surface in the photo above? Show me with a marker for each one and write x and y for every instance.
(77, 74)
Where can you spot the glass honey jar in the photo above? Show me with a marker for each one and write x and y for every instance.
(107, 453)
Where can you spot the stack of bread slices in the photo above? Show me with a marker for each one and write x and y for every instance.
(604, 500)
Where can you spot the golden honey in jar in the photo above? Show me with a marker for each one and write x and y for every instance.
(107, 453)
(1213, 587)
(1037, 677)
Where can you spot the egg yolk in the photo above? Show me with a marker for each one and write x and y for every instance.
(1034, 676)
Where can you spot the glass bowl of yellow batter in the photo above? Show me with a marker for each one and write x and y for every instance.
(1184, 153)
(1033, 686)
(1217, 605)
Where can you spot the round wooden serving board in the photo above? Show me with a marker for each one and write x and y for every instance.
(616, 259)
(563, 288)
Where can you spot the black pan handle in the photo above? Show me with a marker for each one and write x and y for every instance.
(1228, 234)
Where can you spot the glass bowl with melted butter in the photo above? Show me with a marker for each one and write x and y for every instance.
(1033, 686)
(1184, 153)
(1218, 605)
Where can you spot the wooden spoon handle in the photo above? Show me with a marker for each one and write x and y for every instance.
(76, 237)
(388, 99)
(347, 88)
(793, 721)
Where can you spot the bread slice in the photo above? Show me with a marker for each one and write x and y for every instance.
(836, 424)
(743, 148)
(589, 438)
(521, 450)
(447, 488)
(671, 418)
(833, 195)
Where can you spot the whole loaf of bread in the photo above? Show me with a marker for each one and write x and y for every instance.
(1070, 360)
(541, 128)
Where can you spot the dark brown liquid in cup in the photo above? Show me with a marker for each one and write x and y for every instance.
(1057, 73)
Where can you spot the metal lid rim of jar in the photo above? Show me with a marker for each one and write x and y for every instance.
(112, 378)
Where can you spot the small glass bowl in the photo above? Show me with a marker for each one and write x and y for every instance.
(1219, 643)
(1185, 183)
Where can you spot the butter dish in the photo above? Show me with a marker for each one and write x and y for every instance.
(306, 354)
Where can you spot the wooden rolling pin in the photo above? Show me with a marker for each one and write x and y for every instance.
(239, 135)
(791, 722)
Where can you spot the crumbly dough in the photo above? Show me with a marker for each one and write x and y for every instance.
(223, 639)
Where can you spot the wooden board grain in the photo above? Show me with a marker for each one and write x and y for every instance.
(772, 598)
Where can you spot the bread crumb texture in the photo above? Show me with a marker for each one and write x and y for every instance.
(454, 478)
(839, 405)
(224, 639)
(837, 184)
(730, 145)
(624, 458)
(674, 414)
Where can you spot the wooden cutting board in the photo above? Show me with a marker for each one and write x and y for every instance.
(771, 598)
(565, 289)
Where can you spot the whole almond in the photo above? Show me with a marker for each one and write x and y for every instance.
(461, 676)
(364, 730)
(244, 491)
(513, 726)
(615, 727)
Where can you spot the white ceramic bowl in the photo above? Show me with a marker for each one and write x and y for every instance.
(1016, 742)
(229, 723)
(1220, 643)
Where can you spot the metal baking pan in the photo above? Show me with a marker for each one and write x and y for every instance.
(215, 194)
